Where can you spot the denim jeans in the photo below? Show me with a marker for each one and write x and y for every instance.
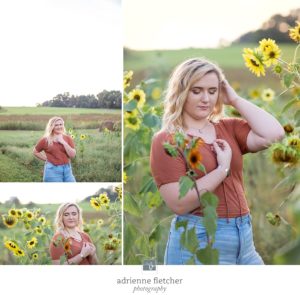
(58, 173)
(234, 240)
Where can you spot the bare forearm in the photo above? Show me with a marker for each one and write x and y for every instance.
(209, 182)
(40, 156)
(69, 150)
(261, 122)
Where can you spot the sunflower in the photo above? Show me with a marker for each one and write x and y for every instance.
(32, 243)
(105, 201)
(100, 222)
(73, 136)
(95, 203)
(12, 212)
(288, 128)
(268, 95)
(29, 215)
(9, 221)
(19, 213)
(19, 253)
(82, 136)
(42, 220)
(294, 142)
(127, 78)
(10, 245)
(102, 196)
(254, 93)
(138, 95)
(118, 190)
(283, 154)
(38, 230)
(194, 158)
(67, 246)
(270, 51)
(125, 177)
(35, 256)
(70, 131)
(131, 120)
(253, 61)
(294, 33)
(156, 93)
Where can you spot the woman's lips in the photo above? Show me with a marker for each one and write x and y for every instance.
(203, 107)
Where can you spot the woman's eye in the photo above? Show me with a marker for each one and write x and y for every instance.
(195, 91)
(212, 91)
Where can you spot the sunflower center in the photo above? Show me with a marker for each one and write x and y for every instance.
(254, 63)
(137, 97)
(132, 121)
(272, 54)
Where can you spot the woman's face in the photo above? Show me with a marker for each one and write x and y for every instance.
(202, 98)
(58, 127)
(70, 217)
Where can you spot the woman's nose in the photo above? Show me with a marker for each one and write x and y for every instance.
(204, 96)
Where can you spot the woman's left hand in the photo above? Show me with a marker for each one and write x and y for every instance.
(60, 139)
(93, 249)
(229, 95)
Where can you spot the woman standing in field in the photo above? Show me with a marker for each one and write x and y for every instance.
(56, 149)
(69, 240)
(194, 101)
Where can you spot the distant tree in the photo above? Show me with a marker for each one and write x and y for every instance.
(275, 28)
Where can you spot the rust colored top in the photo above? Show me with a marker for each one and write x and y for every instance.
(232, 201)
(55, 152)
(70, 247)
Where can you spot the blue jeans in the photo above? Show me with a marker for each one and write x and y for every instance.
(58, 173)
(234, 240)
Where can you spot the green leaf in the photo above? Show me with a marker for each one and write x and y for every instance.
(191, 261)
(62, 259)
(201, 167)
(142, 243)
(185, 184)
(289, 104)
(273, 219)
(149, 186)
(288, 79)
(189, 240)
(297, 118)
(210, 203)
(153, 200)
(130, 236)
(208, 255)
(170, 149)
(179, 139)
(131, 206)
(155, 234)
(151, 120)
(180, 224)
(130, 106)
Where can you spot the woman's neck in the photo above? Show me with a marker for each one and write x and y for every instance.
(196, 124)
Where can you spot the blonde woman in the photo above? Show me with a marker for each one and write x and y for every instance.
(69, 240)
(56, 149)
(194, 101)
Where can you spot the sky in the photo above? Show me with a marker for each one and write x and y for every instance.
(48, 193)
(174, 24)
(55, 46)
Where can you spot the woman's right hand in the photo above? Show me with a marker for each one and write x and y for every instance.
(224, 153)
(86, 249)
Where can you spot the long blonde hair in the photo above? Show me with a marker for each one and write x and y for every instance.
(58, 223)
(181, 81)
(49, 129)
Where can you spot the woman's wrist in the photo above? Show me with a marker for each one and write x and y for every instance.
(225, 171)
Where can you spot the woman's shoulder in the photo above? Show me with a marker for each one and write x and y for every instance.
(85, 236)
(57, 237)
(230, 121)
(161, 136)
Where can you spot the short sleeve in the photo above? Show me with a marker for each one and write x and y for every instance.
(56, 250)
(41, 145)
(165, 168)
(240, 129)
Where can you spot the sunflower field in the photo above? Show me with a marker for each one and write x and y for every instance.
(271, 177)
(26, 232)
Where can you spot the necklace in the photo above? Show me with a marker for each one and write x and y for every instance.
(200, 130)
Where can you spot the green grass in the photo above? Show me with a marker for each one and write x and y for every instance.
(101, 160)
(53, 111)
(159, 64)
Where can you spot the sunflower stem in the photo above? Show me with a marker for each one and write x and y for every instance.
(295, 54)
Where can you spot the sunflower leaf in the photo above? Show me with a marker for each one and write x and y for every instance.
(130, 106)
(131, 206)
(185, 184)
(289, 104)
(189, 240)
(210, 203)
(171, 150)
(288, 79)
(179, 139)
(208, 255)
(151, 120)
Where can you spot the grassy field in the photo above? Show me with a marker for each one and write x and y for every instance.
(34, 118)
(159, 64)
(100, 161)
(98, 233)
(98, 157)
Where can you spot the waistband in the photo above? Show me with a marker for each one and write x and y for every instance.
(228, 221)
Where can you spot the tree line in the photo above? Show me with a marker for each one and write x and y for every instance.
(105, 99)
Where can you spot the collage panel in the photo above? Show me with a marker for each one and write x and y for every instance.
(60, 103)
(61, 224)
(211, 133)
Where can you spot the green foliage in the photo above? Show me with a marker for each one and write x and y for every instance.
(185, 184)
